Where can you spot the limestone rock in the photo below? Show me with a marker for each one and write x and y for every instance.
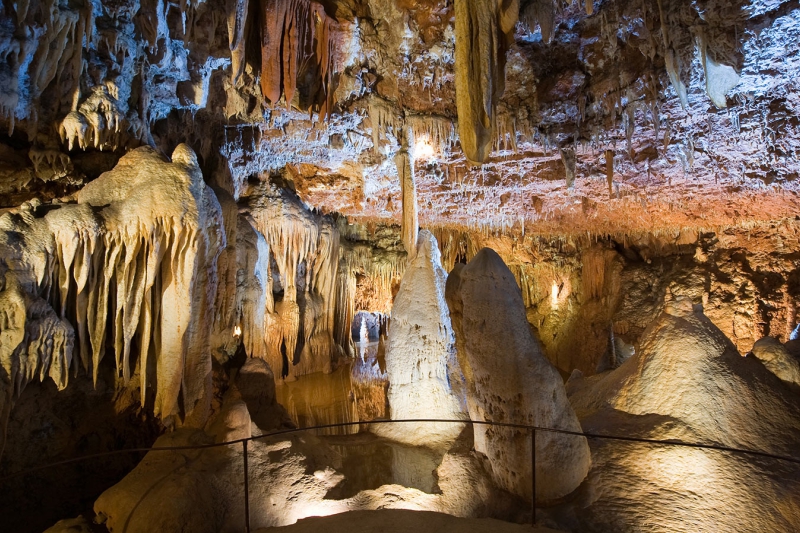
(71, 525)
(687, 370)
(484, 32)
(688, 383)
(777, 359)
(419, 352)
(135, 258)
(291, 477)
(510, 380)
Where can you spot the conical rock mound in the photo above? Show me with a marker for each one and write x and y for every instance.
(420, 358)
(510, 380)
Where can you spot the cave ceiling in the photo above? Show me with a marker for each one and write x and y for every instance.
(611, 117)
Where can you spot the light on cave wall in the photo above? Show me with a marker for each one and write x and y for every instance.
(237, 332)
(423, 149)
(554, 295)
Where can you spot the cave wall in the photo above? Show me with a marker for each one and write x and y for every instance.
(745, 278)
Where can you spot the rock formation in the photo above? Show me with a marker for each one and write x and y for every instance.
(420, 354)
(291, 477)
(777, 359)
(687, 370)
(509, 380)
(484, 32)
(296, 45)
(688, 383)
(410, 224)
(629, 155)
(133, 258)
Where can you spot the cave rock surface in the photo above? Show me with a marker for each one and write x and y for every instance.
(510, 380)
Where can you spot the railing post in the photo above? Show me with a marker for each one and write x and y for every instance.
(533, 476)
(246, 489)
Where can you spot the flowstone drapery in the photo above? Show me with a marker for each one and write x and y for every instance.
(132, 261)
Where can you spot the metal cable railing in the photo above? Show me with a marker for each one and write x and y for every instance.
(531, 429)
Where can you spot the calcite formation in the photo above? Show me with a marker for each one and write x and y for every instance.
(133, 257)
(688, 383)
(292, 477)
(686, 369)
(484, 32)
(420, 355)
(296, 45)
(410, 225)
(509, 380)
(305, 248)
(777, 359)
(622, 159)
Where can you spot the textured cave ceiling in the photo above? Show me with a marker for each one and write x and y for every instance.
(669, 114)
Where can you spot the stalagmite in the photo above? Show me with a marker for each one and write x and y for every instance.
(687, 371)
(420, 354)
(510, 380)
(484, 32)
(405, 171)
(237, 32)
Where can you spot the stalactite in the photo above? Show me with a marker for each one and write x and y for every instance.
(134, 259)
(377, 271)
(405, 171)
(436, 130)
(610, 172)
(297, 41)
(568, 158)
(305, 248)
(484, 32)
(541, 12)
(719, 78)
(671, 61)
(237, 24)
(384, 119)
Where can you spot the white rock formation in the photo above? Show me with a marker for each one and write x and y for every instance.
(777, 359)
(419, 352)
(134, 258)
(510, 380)
(688, 370)
(687, 382)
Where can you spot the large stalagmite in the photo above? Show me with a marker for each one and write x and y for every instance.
(510, 380)
(420, 354)
(484, 32)
(688, 383)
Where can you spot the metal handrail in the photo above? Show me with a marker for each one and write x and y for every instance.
(531, 429)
